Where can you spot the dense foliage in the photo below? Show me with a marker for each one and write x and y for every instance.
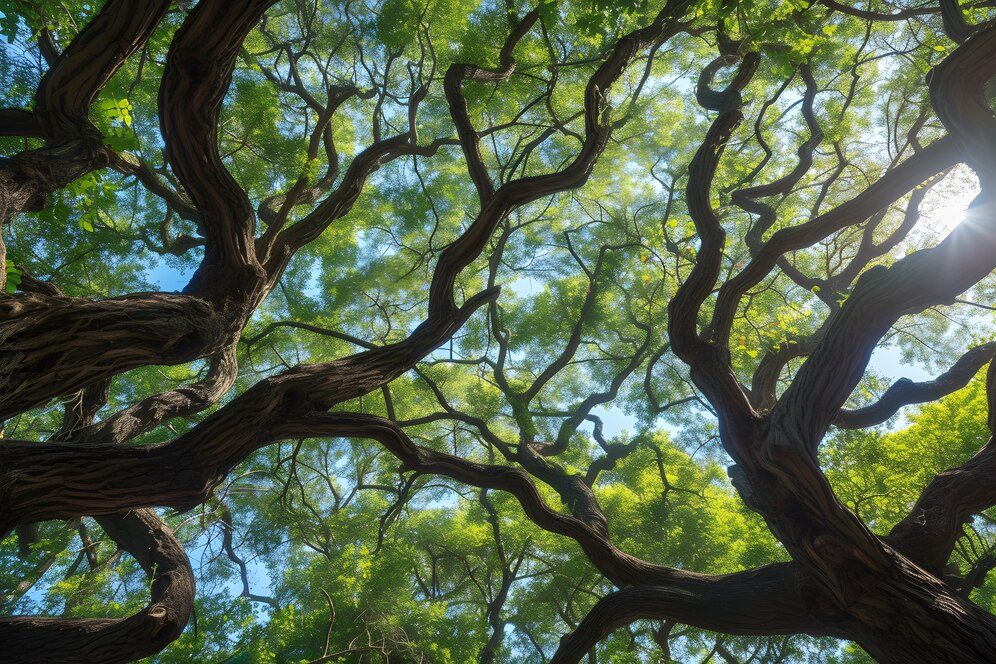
(426, 325)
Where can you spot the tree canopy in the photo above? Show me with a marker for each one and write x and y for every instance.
(459, 331)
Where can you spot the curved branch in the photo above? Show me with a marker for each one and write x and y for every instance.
(34, 479)
(905, 392)
(709, 364)
(935, 158)
(69, 87)
(617, 566)
(922, 279)
(519, 192)
(277, 248)
(56, 346)
(900, 15)
(342, 336)
(747, 198)
(763, 601)
(958, 94)
(74, 147)
(171, 329)
(455, 76)
(198, 71)
(928, 533)
(154, 410)
(953, 19)
(53, 345)
(129, 164)
(151, 542)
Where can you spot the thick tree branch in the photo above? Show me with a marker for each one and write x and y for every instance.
(151, 542)
(198, 72)
(85, 342)
(69, 87)
(152, 411)
(763, 601)
(39, 333)
(709, 364)
(183, 472)
(928, 534)
(905, 392)
(953, 19)
(73, 146)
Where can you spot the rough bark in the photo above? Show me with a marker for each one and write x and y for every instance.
(146, 537)
(53, 345)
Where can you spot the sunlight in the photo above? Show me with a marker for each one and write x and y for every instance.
(944, 206)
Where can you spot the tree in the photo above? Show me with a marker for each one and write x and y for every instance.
(359, 197)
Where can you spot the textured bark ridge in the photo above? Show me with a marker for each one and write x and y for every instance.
(888, 594)
(85, 342)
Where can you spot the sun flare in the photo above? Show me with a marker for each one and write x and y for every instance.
(944, 207)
